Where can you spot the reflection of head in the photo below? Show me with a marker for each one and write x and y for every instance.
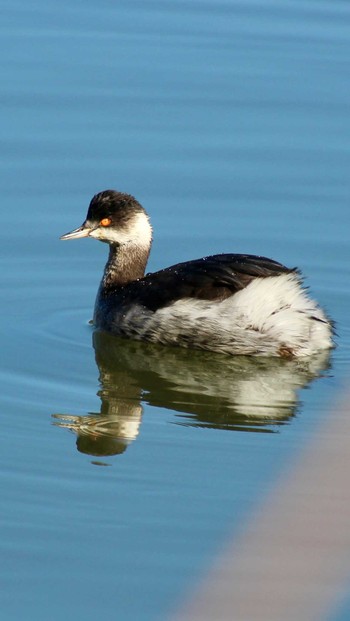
(100, 446)
(108, 433)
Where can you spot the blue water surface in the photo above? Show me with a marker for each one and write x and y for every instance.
(122, 476)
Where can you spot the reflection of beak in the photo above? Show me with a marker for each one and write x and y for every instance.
(82, 231)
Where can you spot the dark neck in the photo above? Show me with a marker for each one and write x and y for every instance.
(125, 264)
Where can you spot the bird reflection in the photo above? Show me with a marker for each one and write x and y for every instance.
(204, 389)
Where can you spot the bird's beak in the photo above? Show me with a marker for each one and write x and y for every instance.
(81, 231)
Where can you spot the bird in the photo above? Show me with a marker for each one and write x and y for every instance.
(236, 304)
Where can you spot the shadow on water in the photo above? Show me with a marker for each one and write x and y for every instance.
(206, 390)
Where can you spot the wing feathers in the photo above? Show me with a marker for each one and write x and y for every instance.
(211, 278)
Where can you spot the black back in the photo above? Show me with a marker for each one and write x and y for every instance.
(211, 278)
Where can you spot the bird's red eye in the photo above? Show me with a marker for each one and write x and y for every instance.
(105, 222)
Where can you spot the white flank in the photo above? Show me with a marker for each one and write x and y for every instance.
(271, 316)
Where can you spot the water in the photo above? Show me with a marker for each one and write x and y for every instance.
(229, 122)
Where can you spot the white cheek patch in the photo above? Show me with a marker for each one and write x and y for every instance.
(138, 232)
(97, 234)
(141, 230)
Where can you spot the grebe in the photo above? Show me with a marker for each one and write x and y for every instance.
(228, 303)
